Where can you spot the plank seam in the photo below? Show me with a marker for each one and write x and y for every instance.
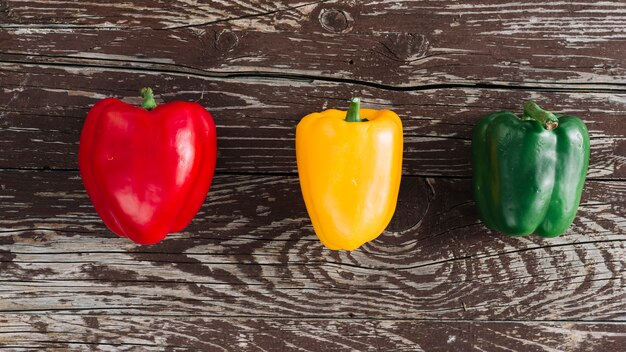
(537, 87)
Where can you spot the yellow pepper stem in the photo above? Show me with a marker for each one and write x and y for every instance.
(353, 114)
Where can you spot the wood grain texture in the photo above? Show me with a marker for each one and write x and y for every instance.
(104, 332)
(249, 274)
(436, 261)
(256, 118)
(412, 43)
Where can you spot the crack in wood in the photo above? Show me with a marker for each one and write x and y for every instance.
(158, 69)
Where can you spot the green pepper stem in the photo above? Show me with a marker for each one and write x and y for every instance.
(353, 114)
(545, 118)
(148, 99)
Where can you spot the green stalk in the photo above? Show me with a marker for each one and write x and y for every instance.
(545, 118)
(148, 99)
(353, 114)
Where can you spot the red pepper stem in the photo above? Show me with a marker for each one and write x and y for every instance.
(545, 118)
(353, 114)
(148, 99)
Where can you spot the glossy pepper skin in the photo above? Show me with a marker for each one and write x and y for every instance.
(147, 171)
(529, 171)
(350, 172)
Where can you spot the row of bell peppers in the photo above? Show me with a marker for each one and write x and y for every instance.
(148, 169)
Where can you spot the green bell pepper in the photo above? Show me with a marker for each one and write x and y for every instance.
(529, 171)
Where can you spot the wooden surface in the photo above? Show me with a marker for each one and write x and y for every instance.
(249, 274)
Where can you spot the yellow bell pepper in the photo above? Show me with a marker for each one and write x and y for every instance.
(350, 170)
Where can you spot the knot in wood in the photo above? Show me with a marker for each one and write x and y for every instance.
(406, 46)
(335, 21)
(226, 40)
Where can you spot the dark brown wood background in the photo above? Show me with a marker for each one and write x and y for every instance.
(249, 274)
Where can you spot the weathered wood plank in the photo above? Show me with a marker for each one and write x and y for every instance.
(251, 252)
(412, 43)
(121, 333)
(249, 272)
(45, 106)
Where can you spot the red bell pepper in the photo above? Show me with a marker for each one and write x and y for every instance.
(147, 169)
